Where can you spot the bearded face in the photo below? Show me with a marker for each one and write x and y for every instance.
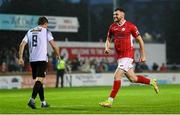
(118, 15)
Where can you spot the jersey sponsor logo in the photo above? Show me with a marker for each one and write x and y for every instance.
(123, 29)
(115, 29)
(36, 30)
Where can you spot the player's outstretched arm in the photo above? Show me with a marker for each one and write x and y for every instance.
(55, 48)
(21, 50)
(107, 46)
(142, 49)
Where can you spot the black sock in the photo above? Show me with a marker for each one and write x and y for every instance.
(36, 88)
(41, 93)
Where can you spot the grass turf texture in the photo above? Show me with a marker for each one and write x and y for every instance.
(85, 100)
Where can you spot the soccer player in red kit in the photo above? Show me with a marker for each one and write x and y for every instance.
(122, 32)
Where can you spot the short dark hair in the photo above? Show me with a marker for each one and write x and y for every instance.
(42, 20)
(120, 9)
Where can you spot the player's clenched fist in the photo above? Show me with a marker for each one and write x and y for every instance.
(21, 61)
(107, 51)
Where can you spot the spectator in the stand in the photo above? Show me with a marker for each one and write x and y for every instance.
(93, 63)
(174, 67)
(112, 66)
(75, 64)
(12, 65)
(9, 57)
(100, 67)
(85, 66)
(54, 61)
(138, 67)
(4, 67)
(105, 63)
(155, 66)
(27, 67)
(163, 68)
(144, 66)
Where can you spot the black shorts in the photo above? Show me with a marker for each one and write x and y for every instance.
(38, 69)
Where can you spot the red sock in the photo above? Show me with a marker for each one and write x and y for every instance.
(142, 79)
(116, 86)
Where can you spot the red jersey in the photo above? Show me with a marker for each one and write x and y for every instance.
(123, 38)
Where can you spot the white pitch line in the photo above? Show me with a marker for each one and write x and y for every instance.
(69, 106)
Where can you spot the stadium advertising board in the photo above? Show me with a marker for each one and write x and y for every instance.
(10, 82)
(106, 79)
(154, 52)
(27, 81)
(85, 52)
(91, 53)
(63, 24)
(92, 79)
(17, 22)
(83, 79)
(26, 22)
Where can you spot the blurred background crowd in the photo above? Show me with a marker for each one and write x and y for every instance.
(9, 63)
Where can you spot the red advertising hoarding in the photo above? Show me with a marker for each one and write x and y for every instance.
(91, 53)
(85, 52)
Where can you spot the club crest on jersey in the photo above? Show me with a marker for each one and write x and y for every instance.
(123, 29)
(115, 29)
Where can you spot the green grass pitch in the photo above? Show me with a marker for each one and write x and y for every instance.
(84, 100)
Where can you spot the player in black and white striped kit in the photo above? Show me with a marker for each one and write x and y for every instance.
(37, 40)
